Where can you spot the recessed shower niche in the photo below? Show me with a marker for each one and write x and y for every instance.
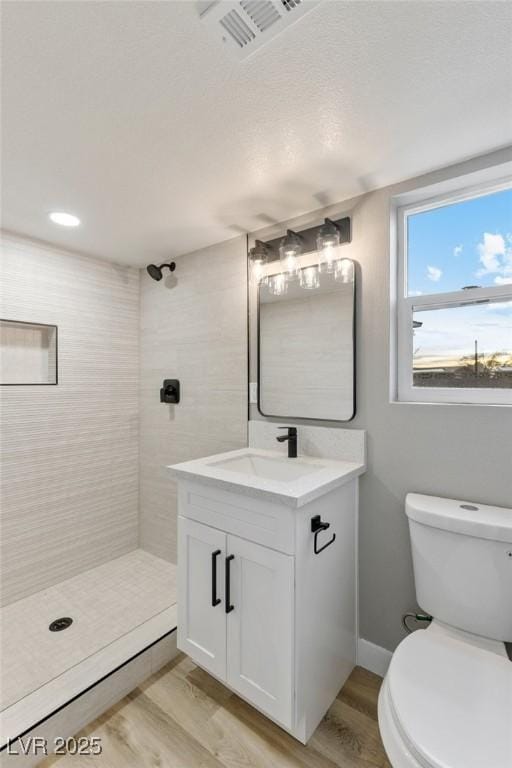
(28, 353)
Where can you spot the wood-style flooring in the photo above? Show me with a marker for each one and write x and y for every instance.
(183, 718)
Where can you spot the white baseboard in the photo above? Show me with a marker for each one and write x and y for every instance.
(373, 657)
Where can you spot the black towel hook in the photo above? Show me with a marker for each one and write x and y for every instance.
(316, 526)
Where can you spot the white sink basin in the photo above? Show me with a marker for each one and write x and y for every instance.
(260, 473)
(271, 468)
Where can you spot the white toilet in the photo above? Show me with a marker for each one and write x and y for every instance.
(446, 700)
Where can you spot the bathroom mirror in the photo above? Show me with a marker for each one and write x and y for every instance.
(306, 344)
(28, 353)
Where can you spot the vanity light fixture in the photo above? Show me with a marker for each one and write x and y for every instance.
(64, 219)
(289, 251)
(258, 258)
(327, 241)
(309, 278)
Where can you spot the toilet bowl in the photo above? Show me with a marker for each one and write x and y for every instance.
(446, 700)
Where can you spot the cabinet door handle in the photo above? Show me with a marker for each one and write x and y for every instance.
(215, 599)
(229, 607)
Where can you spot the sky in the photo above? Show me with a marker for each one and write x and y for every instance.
(468, 243)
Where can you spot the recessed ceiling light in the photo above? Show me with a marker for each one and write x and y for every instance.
(64, 219)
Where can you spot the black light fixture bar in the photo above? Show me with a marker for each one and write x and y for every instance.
(308, 237)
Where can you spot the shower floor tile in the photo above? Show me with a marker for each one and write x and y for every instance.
(105, 603)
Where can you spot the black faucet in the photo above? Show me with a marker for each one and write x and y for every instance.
(291, 437)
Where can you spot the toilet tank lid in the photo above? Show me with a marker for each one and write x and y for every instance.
(465, 517)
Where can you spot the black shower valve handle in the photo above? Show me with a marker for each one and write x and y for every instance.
(170, 391)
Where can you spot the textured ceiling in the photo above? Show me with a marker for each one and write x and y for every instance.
(132, 116)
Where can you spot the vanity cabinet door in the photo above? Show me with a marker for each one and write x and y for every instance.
(201, 609)
(260, 627)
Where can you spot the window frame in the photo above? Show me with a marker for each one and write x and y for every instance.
(404, 306)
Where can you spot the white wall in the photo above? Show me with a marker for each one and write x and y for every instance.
(450, 450)
(193, 327)
(69, 453)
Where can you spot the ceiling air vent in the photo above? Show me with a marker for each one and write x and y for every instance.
(263, 13)
(236, 27)
(246, 25)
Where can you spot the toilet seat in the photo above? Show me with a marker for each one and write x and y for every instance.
(447, 703)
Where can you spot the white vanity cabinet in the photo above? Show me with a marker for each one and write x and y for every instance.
(257, 608)
(246, 642)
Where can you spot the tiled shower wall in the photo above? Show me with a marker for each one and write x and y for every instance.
(69, 453)
(193, 328)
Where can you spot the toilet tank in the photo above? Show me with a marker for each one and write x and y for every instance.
(462, 557)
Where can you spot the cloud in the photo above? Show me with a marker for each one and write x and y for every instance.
(495, 254)
(458, 250)
(434, 274)
(491, 249)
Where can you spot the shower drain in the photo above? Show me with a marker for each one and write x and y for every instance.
(59, 624)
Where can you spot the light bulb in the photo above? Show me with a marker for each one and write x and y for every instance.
(289, 251)
(290, 263)
(257, 271)
(278, 284)
(327, 242)
(309, 278)
(258, 258)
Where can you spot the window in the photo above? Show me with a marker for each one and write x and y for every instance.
(454, 295)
